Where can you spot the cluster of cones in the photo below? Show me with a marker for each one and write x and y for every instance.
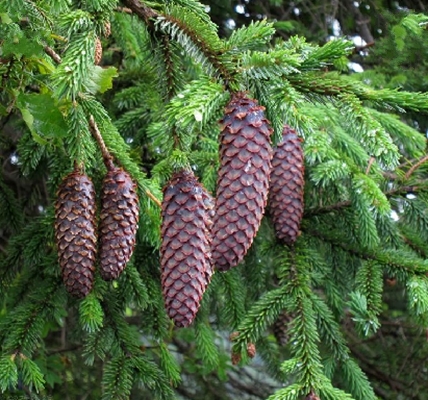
(77, 237)
(200, 234)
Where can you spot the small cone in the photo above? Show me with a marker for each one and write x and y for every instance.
(286, 187)
(251, 350)
(75, 232)
(185, 249)
(243, 180)
(281, 328)
(235, 358)
(98, 54)
(118, 222)
(107, 29)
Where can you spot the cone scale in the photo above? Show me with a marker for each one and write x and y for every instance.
(185, 249)
(75, 232)
(243, 180)
(286, 187)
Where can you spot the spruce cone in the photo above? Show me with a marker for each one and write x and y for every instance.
(118, 222)
(236, 358)
(75, 232)
(185, 249)
(107, 29)
(243, 180)
(286, 187)
(251, 350)
(98, 54)
(281, 328)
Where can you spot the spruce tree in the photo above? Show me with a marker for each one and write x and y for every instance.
(144, 85)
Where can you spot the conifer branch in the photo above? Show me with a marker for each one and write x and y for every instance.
(169, 66)
(125, 10)
(335, 85)
(51, 52)
(416, 166)
(421, 185)
(141, 10)
(107, 158)
(64, 350)
(369, 166)
(153, 198)
(146, 13)
(370, 369)
(209, 53)
(415, 246)
(393, 258)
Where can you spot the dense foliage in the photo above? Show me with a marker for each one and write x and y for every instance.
(342, 314)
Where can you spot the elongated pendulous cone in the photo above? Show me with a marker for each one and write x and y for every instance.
(286, 187)
(243, 180)
(118, 222)
(185, 249)
(75, 232)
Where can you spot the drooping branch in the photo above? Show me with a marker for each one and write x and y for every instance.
(414, 167)
(124, 10)
(51, 52)
(421, 185)
(107, 158)
(141, 10)
(152, 197)
(389, 258)
(146, 13)
(169, 65)
(369, 166)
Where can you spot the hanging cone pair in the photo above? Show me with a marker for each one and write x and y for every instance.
(75, 224)
(185, 249)
(75, 228)
(243, 181)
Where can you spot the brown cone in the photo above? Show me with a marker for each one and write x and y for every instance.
(243, 180)
(281, 328)
(251, 350)
(236, 358)
(98, 54)
(107, 29)
(185, 249)
(75, 232)
(286, 187)
(118, 222)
